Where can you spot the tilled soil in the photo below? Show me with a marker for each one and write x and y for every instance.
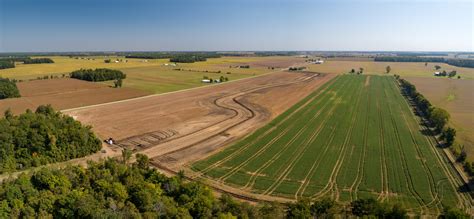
(65, 93)
(181, 127)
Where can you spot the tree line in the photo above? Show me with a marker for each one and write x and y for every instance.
(8, 89)
(115, 189)
(438, 118)
(188, 58)
(468, 63)
(99, 74)
(38, 61)
(45, 136)
(181, 57)
(9, 62)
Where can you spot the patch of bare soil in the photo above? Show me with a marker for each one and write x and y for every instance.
(178, 128)
(367, 81)
(65, 93)
(184, 126)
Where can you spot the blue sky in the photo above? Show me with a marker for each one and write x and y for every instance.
(223, 25)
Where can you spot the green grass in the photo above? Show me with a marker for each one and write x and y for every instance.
(160, 79)
(349, 139)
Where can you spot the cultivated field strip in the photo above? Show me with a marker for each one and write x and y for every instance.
(356, 137)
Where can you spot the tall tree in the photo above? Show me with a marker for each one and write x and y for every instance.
(448, 135)
(388, 69)
(439, 117)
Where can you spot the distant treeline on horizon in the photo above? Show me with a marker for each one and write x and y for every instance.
(468, 63)
(9, 62)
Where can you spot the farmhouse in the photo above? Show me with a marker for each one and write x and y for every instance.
(437, 73)
(319, 62)
(205, 81)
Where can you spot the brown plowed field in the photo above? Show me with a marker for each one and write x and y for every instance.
(180, 127)
(65, 93)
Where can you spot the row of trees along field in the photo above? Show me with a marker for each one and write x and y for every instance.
(9, 62)
(468, 63)
(176, 57)
(45, 136)
(8, 89)
(99, 74)
(116, 189)
(38, 61)
(438, 118)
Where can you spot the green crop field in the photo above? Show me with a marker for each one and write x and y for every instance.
(355, 137)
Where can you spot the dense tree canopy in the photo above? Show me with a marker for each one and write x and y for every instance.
(114, 189)
(188, 58)
(183, 57)
(99, 74)
(6, 64)
(439, 117)
(111, 189)
(38, 61)
(8, 89)
(45, 136)
(372, 207)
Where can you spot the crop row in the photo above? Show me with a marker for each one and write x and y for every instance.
(354, 137)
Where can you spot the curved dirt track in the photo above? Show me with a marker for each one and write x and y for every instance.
(203, 118)
(179, 128)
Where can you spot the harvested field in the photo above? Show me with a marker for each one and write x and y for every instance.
(354, 137)
(65, 93)
(457, 97)
(405, 69)
(199, 121)
(65, 65)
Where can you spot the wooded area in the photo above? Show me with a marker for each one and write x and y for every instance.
(6, 64)
(99, 74)
(8, 89)
(38, 61)
(45, 136)
(115, 189)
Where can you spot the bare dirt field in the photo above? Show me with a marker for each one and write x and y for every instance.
(457, 97)
(180, 127)
(65, 93)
